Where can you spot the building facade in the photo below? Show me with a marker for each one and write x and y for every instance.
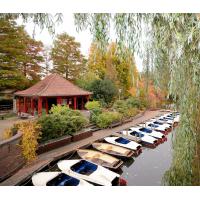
(52, 90)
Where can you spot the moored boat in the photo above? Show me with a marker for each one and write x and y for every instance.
(167, 121)
(167, 126)
(146, 140)
(99, 158)
(89, 171)
(120, 141)
(113, 150)
(147, 131)
(57, 179)
(156, 127)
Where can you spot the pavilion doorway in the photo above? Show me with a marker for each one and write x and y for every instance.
(51, 102)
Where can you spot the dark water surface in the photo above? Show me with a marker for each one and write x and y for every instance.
(149, 167)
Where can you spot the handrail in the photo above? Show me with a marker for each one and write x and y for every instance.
(6, 107)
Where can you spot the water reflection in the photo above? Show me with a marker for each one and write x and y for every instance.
(150, 166)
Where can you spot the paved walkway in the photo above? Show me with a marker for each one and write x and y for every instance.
(45, 158)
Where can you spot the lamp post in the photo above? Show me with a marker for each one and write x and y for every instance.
(120, 90)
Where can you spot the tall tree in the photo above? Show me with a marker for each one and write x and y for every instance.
(119, 68)
(97, 61)
(110, 64)
(32, 57)
(67, 58)
(11, 52)
(20, 56)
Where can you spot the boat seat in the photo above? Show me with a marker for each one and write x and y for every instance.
(122, 140)
(108, 148)
(84, 167)
(63, 180)
(145, 130)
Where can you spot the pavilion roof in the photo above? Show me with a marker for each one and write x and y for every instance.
(53, 85)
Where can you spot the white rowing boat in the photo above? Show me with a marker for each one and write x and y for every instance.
(113, 150)
(120, 141)
(149, 132)
(57, 179)
(155, 121)
(99, 158)
(89, 171)
(155, 127)
(146, 139)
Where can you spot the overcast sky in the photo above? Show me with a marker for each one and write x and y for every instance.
(84, 37)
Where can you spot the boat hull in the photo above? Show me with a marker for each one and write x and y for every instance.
(100, 158)
(113, 150)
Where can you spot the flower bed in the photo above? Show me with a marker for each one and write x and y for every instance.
(53, 144)
(81, 135)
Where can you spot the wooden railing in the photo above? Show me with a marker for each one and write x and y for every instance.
(6, 107)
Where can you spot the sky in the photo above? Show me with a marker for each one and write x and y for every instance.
(84, 37)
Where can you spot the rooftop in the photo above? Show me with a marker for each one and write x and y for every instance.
(53, 85)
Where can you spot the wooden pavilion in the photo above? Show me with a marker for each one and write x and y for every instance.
(54, 89)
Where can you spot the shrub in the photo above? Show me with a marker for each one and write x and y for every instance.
(103, 90)
(107, 118)
(62, 121)
(127, 108)
(95, 110)
(133, 102)
(7, 133)
(132, 112)
(121, 107)
(90, 105)
(94, 114)
(30, 135)
(143, 103)
(64, 110)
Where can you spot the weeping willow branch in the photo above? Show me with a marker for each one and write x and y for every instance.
(43, 20)
(175, 50)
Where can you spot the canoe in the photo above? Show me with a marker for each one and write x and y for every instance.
(89, 171)
(100, 158)
(113, 150)
(57, 179)
(120, 141)
(146, 139)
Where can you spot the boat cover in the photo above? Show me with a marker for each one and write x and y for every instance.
(63, 180)
(84, 167)
(122, 140)
(146, 130)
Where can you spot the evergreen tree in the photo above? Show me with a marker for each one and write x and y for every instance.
(11, 51)
(20, 56)
(67, 58)
(32, 58)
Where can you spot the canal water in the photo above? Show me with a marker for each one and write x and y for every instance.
(150, 166)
